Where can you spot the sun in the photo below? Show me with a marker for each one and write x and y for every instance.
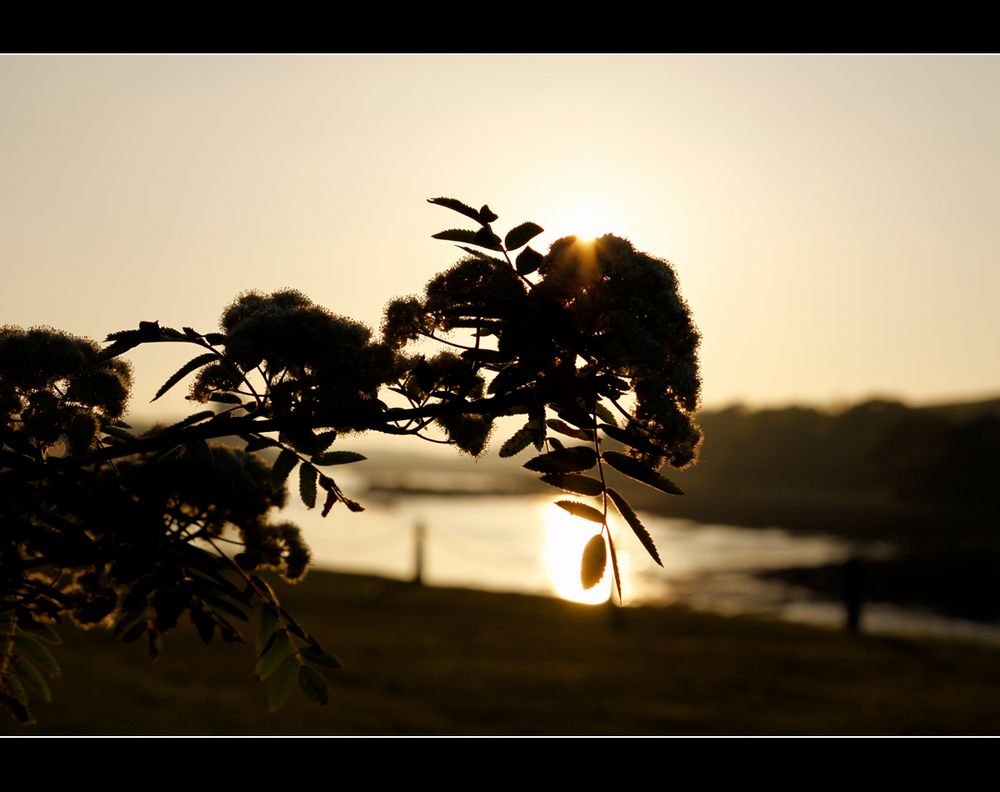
(583, 218)
(562, 552)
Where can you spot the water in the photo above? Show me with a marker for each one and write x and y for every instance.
(527, 544)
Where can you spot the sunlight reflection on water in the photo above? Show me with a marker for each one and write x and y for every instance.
(527, 544)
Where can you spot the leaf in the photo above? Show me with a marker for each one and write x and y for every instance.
(311, 683)
(282, 683)
(457, 235)
(228, 398)
(283, 465)
(183, 371)
(594, 562)
(17, 689)
(314, 653)
(635, 469)
(581, 485)
(33, 679)
(487, 215)
(637, 527)
(631, 439)
(521, 235)
(266, 626)
(487, 239)
(614, 567)
(571, 431)
(338, 458)
(276, 650)
(117, 348)
(520, 440)
(564, 460)
(197, 417)
(605, 414)
(42, 632)
(581, 510)
(331, 499)
(203, 623)
(37, 653)
(307, 485)
(257, 443)
(528, 261)
(461, 208)
(118, 433)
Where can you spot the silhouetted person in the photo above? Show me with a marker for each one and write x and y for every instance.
(418, 554)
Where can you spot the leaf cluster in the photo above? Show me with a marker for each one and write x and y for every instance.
(590, 343)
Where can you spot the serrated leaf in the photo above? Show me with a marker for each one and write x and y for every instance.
(581, 510)
(275, 651)
(282, 683)
(283, 465)
(594, 562)
(487, 239)
(564, 460)
(338, 458)
(570, 431)
(33, 679)
(581, 485)
(226, 398)
(635, 524)
(521, 235)
(266, 626)
(215, 338)
(316, 654)
(311, 683)
(635, 469)
(457, 235)
(197, 417)
(35, 651)
(487, 215)
(307, 485)
(183, 371)
(520, 440)
(458, 206)
(528, 261)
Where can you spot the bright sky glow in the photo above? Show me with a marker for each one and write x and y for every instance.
(832, 219)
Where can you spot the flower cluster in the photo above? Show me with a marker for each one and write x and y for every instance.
(319, 367)
(55, 385)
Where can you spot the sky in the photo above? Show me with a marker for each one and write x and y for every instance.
(834, 220)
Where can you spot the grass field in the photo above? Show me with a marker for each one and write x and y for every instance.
(422, 661)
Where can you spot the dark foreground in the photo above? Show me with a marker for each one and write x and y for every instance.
(439, 661)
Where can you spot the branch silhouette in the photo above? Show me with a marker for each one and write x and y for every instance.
(590, 342)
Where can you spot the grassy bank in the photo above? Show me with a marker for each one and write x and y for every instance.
(439, 661)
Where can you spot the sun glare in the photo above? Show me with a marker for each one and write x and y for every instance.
(565, 538)
(584, 219)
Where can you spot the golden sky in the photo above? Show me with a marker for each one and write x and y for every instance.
(833, 219)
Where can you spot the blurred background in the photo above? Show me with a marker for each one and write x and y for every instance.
(832, 221)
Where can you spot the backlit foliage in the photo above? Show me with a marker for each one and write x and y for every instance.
(591, 343)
